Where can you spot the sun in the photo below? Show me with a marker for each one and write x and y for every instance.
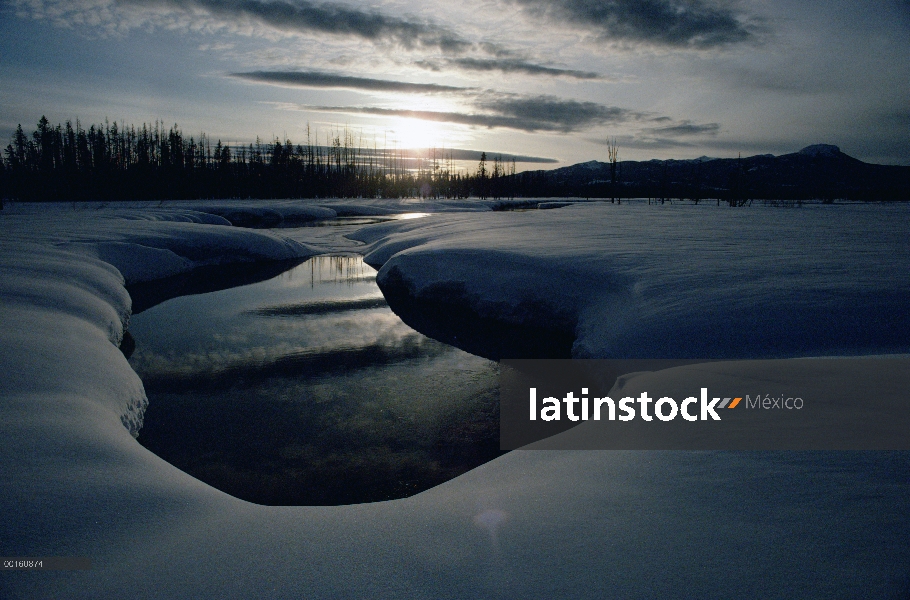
(416, 133)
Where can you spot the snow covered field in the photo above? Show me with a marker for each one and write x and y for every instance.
(624, 281)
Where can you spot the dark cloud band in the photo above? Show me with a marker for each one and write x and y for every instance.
(686, 128)
(555, 114)
(524, 113)
(330, 18)
(677, 23)
(508, 65)
(461, 154)
(317, 79)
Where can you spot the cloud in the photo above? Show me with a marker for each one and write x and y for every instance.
(800, 79)
(647, 143)
(461, 154)
(318, 79)
(676, 134)
(482, 120)
(554, 114)
(508, 65)
(339, 19)
(729, 147)
(675, 23)
(511, 111)
(685, 128)
(216, 47)
(291, 16)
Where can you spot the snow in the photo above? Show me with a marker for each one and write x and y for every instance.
(671, 282)
(267, 214)
(150, 242)
(531, 524)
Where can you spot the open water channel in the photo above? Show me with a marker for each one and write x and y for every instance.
(297, 385)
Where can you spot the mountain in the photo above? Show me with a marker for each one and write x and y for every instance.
(820, 171)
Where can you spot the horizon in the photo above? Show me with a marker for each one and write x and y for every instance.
(669, 79)
(461, 158)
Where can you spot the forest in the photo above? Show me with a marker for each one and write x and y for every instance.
(111, 161)
(153, 162)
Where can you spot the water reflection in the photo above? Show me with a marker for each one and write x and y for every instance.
(343, 220)
(319, 308)
(204, 280)
(307, 389)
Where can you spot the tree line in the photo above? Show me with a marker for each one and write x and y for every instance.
(153, 162)
(110, 161)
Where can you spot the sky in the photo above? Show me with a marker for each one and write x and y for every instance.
(551, 81)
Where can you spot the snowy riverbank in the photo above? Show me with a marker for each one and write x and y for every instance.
(624, 281)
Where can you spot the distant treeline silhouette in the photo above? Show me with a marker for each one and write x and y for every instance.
(151, 162)
(154, 162)
(818, 172)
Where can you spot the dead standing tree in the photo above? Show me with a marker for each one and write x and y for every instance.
(613, 156)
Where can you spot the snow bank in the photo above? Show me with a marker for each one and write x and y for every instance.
(62, 275)
(266, 213)
(532, 524)
(151, 250)
(151, 242)
(667, 282)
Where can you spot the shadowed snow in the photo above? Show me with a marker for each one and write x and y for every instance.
(531, 524)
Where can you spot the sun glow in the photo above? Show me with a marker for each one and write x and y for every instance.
(415, 133)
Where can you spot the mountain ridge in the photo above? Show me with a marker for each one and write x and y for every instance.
(817, 171)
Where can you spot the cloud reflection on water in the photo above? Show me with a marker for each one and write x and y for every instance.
(307, 389)
(320, 308)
